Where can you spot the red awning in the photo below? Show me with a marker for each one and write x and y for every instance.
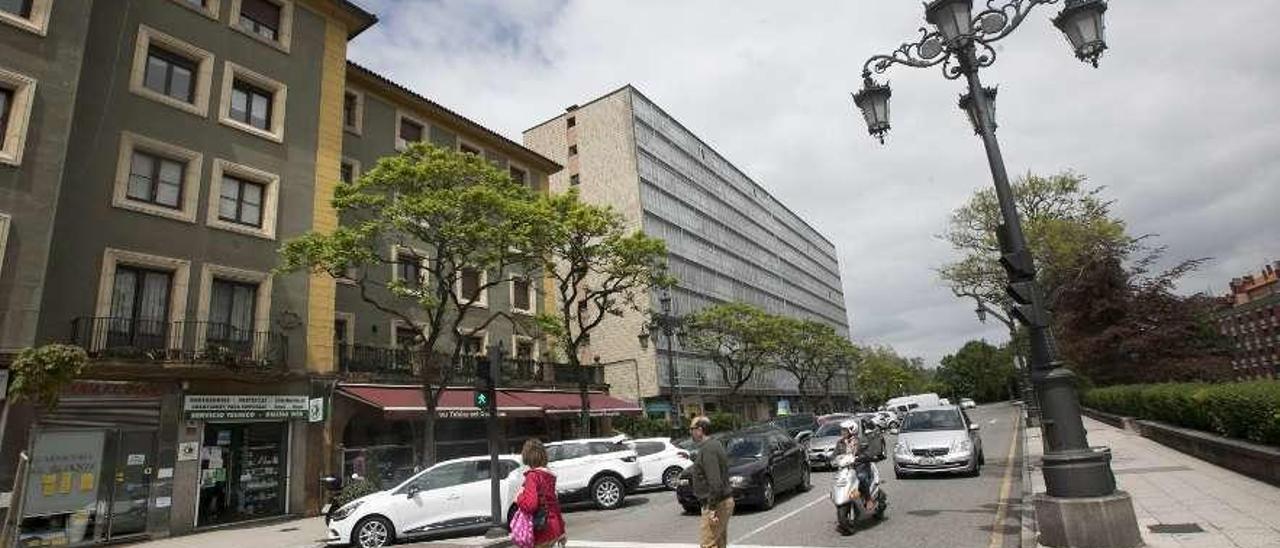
(454, 402)
(458, 402)
(554, 403)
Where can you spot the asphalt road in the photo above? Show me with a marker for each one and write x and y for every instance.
(942, 511)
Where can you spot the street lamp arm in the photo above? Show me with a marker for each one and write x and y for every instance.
(923, 53)
(995, 23)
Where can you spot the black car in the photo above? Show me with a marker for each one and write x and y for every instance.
(795, 424)
(763, 461)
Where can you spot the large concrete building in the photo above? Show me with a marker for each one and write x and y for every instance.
(154, 156)
(728, 240)
(1252, 322)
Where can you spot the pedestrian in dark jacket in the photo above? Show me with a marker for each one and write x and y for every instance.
(539, 491)
(711, 485)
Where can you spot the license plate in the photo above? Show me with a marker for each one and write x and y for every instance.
(929, 461)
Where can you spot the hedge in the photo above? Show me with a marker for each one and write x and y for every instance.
(1245, 410)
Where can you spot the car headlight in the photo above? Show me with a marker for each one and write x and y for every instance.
(901, 450)
(737, 481)
(345, 511)
(961, 446)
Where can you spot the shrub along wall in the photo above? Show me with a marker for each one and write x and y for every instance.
(1246, 410)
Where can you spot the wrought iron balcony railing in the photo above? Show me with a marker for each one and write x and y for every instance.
(194, 342)
(405, 363)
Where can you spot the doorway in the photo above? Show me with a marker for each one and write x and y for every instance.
(243, 471)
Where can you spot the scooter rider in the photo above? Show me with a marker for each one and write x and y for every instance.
(850, 432)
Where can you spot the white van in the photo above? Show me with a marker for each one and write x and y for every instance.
(901, 405)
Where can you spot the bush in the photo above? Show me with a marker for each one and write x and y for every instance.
(1247, 410)
(724, 422)
(642, 427)
(40, 374)
(353, 489)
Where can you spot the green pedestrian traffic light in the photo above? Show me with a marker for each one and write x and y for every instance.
(482, 400)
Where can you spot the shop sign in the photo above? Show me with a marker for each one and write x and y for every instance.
(202, 407)
(315, 410)
(63, 477)
(465, 413)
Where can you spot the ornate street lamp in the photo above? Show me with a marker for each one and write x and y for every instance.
(982, 313)
(670, 326)
(1082, 22)
(873, 100)
(1081, 493)
(971, 110)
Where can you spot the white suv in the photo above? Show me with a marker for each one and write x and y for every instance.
(601, 470)
(660, 461)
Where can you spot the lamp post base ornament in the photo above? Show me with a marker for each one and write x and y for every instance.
(1095, 522)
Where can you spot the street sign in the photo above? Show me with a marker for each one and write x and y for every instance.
(482, 400)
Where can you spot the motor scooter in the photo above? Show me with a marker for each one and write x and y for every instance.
(851, 501)
(333, 485)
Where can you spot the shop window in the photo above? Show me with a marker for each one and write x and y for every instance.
(242, 471)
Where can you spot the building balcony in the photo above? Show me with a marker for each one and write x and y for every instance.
(388, 364)
(127, 340)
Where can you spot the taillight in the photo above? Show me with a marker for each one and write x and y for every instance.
(628, 459)
(682, 455)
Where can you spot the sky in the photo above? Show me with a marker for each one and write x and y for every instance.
(1179, 123)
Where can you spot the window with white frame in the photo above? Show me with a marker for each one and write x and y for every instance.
(522, 294)
(171, 71)
(409, 266)
(524, 348)
(157, 178)
(28, 15)
(471, 282)
(17, 92)
(349, 170)
(409, 130)
(142, 295)
(234, 305)
(269, 21)
(353, 111)
(243, 199)
(252, 102)
(207, 8)
(518, 175)
(475, 343)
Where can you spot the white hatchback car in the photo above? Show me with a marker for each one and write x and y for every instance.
(660, 461)
(600, 470)
(450, 497)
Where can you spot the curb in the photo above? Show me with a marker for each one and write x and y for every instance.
(1030, 532)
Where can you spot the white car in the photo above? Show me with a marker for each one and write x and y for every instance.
(660, 461)
(450, 497)
(600, 470)
(966, 403)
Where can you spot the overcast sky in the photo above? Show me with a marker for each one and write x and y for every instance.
(1180, 123)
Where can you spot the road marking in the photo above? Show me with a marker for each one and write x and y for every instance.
(779, 520)
(1002, 507)
(993, 421)
(631, 544)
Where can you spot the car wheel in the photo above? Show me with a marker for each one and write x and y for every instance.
(982, 458)
(767, 496)
(373, 532)
(805, 482)
(975, 471)
(607, 492)
(671, 476)
(898, 473)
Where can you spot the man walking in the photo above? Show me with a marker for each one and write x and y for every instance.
(711, 485)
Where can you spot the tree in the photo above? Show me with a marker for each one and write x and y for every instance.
(1121, 324)
(598, 269)
(443, 214)
(739, 338)
(40, 374)
(979, 371)
(1063, 219)
(882, 374)
(811, 351)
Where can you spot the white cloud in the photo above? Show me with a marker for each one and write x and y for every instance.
(1179, 123)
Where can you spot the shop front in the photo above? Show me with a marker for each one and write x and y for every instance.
(242, 453)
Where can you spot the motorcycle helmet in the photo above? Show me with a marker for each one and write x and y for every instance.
(852, 426)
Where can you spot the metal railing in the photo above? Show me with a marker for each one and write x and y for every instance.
(391, 362)
(197, 342)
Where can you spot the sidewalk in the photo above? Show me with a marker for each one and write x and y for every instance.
(299, 533)
(1180, 501)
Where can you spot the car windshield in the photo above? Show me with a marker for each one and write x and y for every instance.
(828, 429)
(939, 419)
(739, 448)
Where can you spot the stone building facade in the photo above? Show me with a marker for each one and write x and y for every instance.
(1252, 322)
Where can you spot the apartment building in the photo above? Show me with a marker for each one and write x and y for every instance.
(1252, 322)
(728, 239)
(155, 156)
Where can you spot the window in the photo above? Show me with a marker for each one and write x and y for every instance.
(246, 200)
(406, 337)
(170, 74)
(468, 149)
(521, 294)
(353, 111)
(573, 180)
(571, 121)
(170, 71)
(269, 21)
(525, 349)
(646, 448)
(409, 131)
(567, 451)
(155, 179)
(347, 172)
(6, 103)
(16, 95)
(444, 476)
(519, 176)
(505, 468)
(573, 150)
(208, 8)
(606, 447)
(474, 343)
(28, 15)
(409, 268)
(139, 314)
(470, 284)
(240, 201)
(231, 312)
(252, 102)
(340, 326)
(250, 105)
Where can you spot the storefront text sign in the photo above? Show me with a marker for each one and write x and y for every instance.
(64, 473)
(199, 407)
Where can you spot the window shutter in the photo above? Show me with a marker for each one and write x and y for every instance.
(262, 11)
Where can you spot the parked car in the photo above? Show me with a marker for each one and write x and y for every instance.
(888, 420)
(660, 461)
(450, 497)
(822, 446)
(966, 403)
(938, 439)
(601, 470)
(833, 417)
(796, 425)
(763, 461)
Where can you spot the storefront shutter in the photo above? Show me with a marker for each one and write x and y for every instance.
(103, 412)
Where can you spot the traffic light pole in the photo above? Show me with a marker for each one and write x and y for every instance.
(495, 435)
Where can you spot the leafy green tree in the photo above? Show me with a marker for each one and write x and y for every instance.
(979, 371)
(814, 354)
(40, 374)
(449, 214)
(882, 374)
(739, 338)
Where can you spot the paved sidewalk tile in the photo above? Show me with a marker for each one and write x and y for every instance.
(298, 533)
(1172, 488)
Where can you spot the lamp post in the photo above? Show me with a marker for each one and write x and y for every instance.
(1081, 506)
(669, 325)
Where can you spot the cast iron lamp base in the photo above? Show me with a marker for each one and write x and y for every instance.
(1093, 522)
